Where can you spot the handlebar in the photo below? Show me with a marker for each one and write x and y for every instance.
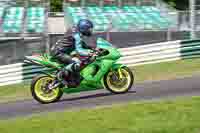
(97, 52)
(94, 54)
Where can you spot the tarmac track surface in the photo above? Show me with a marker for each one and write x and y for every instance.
(166, 89)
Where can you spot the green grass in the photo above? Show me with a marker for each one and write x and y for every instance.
(177, 116)
(15, 92)
(168, 70)
(159, 71)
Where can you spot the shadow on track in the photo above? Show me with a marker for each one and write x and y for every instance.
(93, 96)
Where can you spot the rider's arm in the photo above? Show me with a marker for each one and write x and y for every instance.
(79, 48)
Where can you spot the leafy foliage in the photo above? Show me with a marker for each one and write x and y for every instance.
(179, 4)
(56, 5)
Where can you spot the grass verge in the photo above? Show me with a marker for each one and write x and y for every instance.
(161, 71)
(172, 116)
(168, 70)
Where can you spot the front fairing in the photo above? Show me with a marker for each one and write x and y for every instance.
(114, 54)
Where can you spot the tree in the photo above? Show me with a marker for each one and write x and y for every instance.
(179, 4)
(56, 5)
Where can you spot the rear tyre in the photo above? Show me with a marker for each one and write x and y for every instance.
(40, 94)
(114, 84)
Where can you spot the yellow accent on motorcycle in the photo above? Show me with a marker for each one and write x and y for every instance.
(120, 73)
(44, 57)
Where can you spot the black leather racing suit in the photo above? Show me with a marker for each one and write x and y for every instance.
(61, 52)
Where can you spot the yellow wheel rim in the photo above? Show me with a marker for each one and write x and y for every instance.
(39, 90)
(119, 85)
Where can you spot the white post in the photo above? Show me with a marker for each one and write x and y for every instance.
(138, 2)
(101, 3)
(192, 19)
(157, 3)
(120, 3)
(46, 40)
(169, 34)
(82, 3)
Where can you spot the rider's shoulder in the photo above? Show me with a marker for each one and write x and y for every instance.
(77, 36)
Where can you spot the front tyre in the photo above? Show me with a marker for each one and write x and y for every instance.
(39, 92)
(119, 81)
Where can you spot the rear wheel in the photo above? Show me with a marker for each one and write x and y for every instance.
(41, 94)
(119, 84)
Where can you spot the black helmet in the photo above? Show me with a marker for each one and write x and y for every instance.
(85, 27)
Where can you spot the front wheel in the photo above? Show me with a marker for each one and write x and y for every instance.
(119, 81)
(39, 92)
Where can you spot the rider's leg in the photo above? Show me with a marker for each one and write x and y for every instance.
(71, 66)
(75, 65)
(67, 60)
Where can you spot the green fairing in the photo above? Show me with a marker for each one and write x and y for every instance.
(91, 81)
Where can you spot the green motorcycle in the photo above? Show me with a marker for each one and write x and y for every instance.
(103, 71)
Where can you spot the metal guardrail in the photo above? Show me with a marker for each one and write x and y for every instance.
(132, 56)
(160, 52)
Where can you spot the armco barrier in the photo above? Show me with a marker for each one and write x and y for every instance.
(132, 56)
(160, 52)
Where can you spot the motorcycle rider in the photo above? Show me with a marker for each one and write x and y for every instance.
(73, 41)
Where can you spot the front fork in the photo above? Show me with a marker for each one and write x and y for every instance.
(117, 68)
(120, 73)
